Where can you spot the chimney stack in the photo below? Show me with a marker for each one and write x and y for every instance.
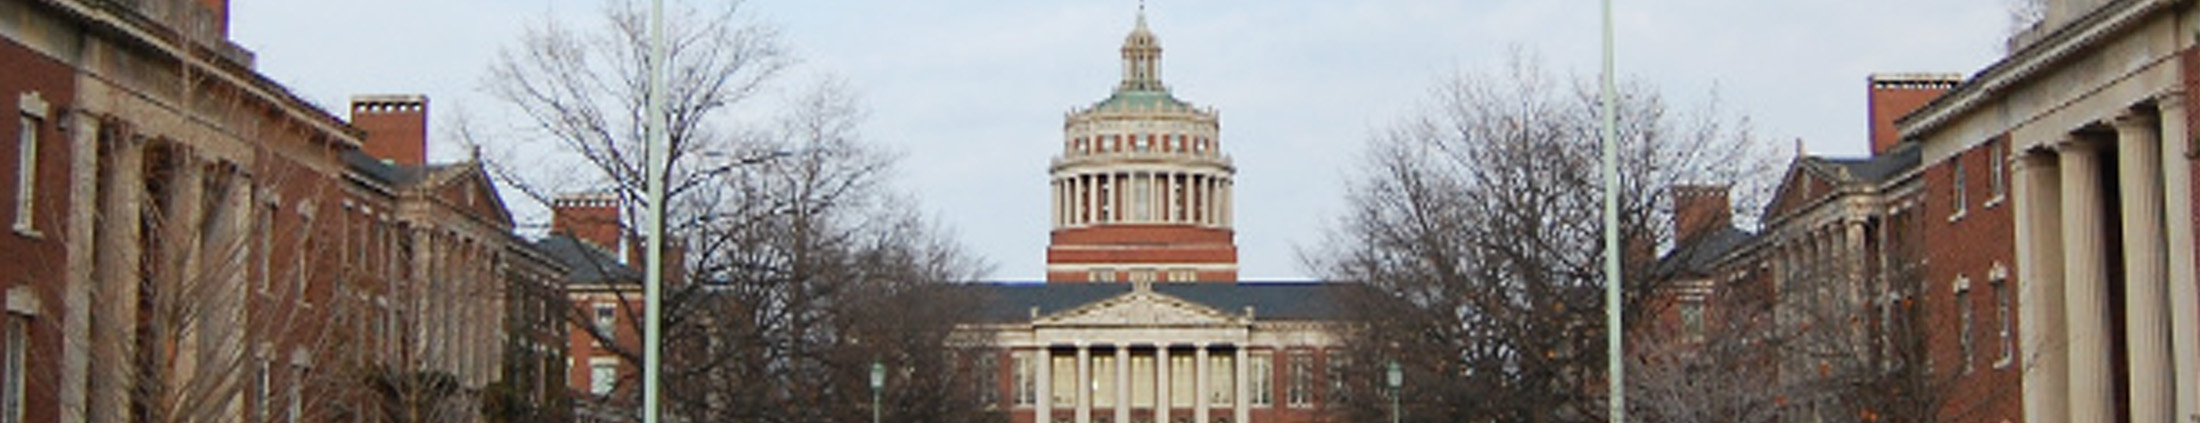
(1895, 95)
(219, 11)
(590, 218)
(396, 125)
(1700, 209)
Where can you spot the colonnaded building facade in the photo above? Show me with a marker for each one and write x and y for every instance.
(1142, 319)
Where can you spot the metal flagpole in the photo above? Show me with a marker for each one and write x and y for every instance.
(1615, 368)
(658, 140)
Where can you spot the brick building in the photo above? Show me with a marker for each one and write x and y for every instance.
(190, 241)
(1141, 318)
(2065, 168)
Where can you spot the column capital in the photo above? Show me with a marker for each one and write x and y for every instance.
(2169, 100)
(2076, 145)
(2132, 121)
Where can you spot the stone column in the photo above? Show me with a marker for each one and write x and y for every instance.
(2184, 292)
(2040, 321)
(1084, 383)
(119, 256)
(2146, 314)
(1042, 392)
(2092, 390)
(1122, 383)
(1161, 383)
(1239, 387)
(1199, 384)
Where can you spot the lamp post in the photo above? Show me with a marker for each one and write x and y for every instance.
(878, 385)
(1397, 380)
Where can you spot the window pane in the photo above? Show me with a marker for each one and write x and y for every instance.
(1142, 388)
(1103, 381)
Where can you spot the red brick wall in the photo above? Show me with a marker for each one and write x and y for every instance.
(1969, 247)
(37, 263)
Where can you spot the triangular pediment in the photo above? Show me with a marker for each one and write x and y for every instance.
(1801, 186)
(1140, 308)
(467, 186)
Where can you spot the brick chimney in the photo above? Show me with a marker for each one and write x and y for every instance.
(1700, 209)
(396, 125)
(1894, 95)
(591, 218)
(219, 12)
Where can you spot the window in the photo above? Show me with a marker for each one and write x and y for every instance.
(1338, 365)
(1692, 319)
(2006, 337)
(989, 388)
(33, 109)
(607, 318)
(1183, 383)
(1142, 275)
(1142, 381)
(1103, 381)
(1176, 143)
(603, 375)
(263, 387)
(296, 406)
(1102, 275)
(1964, 322)
(1300, 387)
(1962, 199)
(1260, 375)
(1221, 380)
(1142, 143)
(1142, 200)
(11, 369)
(1997, 163)
(1027, 378)
(1064, 380)
(1183, 275)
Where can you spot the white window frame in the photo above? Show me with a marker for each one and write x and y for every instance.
(1998, 165)
(2004, 299)
(1959, 191)
(1966, 323)
(13, 365)
(32, 116)
(1027, 381)
(1299, 391)
(1261, 378)
(601, 382)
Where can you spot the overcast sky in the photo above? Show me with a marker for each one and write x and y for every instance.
(972, 93)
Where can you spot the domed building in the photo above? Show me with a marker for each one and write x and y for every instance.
(1142, 319)
(1142, 188)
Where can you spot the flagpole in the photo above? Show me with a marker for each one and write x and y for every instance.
(1615, 367)
(658, 141)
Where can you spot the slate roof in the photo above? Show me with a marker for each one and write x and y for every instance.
(1007, 302)
(590, 265)
(1874, 169)
(381, 171)
(1696, 256)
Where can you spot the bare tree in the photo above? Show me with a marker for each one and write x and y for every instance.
(1475, 232)
(801, 266)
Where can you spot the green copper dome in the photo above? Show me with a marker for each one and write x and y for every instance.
(1141, 100)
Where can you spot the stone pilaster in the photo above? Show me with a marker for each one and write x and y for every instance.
(2085, 284)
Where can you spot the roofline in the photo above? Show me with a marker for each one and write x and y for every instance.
(2071, 39)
